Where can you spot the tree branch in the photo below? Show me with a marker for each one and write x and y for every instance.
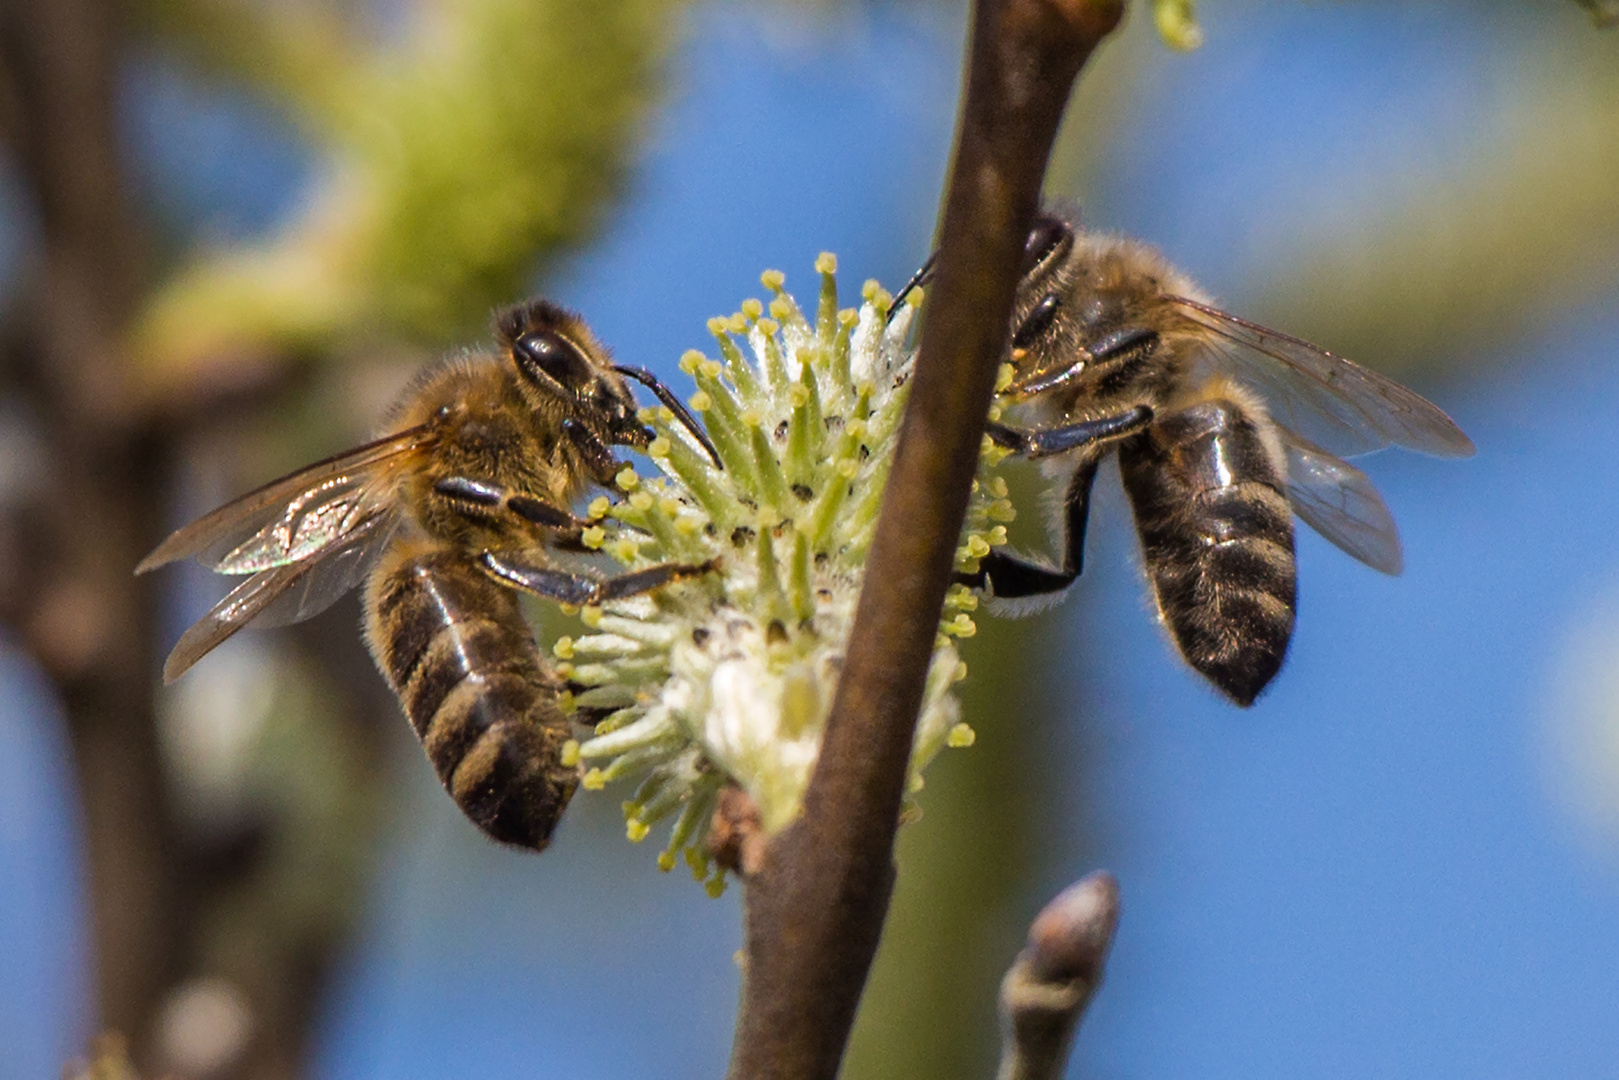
(1053, 979)
(816, 906)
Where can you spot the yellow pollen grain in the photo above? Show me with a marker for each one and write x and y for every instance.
(772, 279)
(711, 368)
(752, 308)
(659, 447)
(593, 537)
(594, 780)
(768, 327)
(624, 549)
(700, 402)
(626, 479)
(689, 361)
(717, 324)
(738, 324)
(563, 649)
(666, 861)
(826, 263)
(636, 830)
(781, 309)
(591, 616)
(570, 753)
(962, 735)
(641, 501)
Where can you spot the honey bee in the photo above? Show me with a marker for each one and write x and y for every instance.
(1224, 430)
(445, 521)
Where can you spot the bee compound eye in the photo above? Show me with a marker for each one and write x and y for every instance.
(1038, 322)
(1046, 235)
(559, 360)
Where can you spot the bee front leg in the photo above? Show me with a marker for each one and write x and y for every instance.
(1044, 442)
(1011, 577)
(580, 589)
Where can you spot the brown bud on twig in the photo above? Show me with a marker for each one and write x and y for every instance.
(1054, 977)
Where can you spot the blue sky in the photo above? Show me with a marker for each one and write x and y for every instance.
(1377, 871)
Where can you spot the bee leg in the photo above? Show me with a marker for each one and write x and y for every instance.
(667, 396)
(478, 498)
(1043, 442)
(1125, 349)
(572, 587)
(918, 279)
(1011, 577)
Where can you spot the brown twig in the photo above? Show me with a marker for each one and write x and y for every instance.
(815, 908)
(1053, 979)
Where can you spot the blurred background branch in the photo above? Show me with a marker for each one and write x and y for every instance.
(454, 153)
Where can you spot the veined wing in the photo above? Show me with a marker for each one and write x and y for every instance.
(1338, 501)
(1335, 403)
(297, 516)
(288, 593)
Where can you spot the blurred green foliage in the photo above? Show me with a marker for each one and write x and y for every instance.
(456, 153)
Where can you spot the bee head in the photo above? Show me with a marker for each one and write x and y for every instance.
(562, 367)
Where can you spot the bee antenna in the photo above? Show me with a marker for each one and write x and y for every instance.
(918, 279)
(667, 396)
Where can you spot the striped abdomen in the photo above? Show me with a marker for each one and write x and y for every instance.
(1217, 537)
(457, 652)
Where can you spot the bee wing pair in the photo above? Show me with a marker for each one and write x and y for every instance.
(1327, 408)
(304, 540)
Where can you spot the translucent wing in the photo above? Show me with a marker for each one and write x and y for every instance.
(287, 593)
(1338, 501)
(1334, 403)
(298, 516)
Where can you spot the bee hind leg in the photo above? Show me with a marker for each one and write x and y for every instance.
(1010, 577)
(573, 587)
